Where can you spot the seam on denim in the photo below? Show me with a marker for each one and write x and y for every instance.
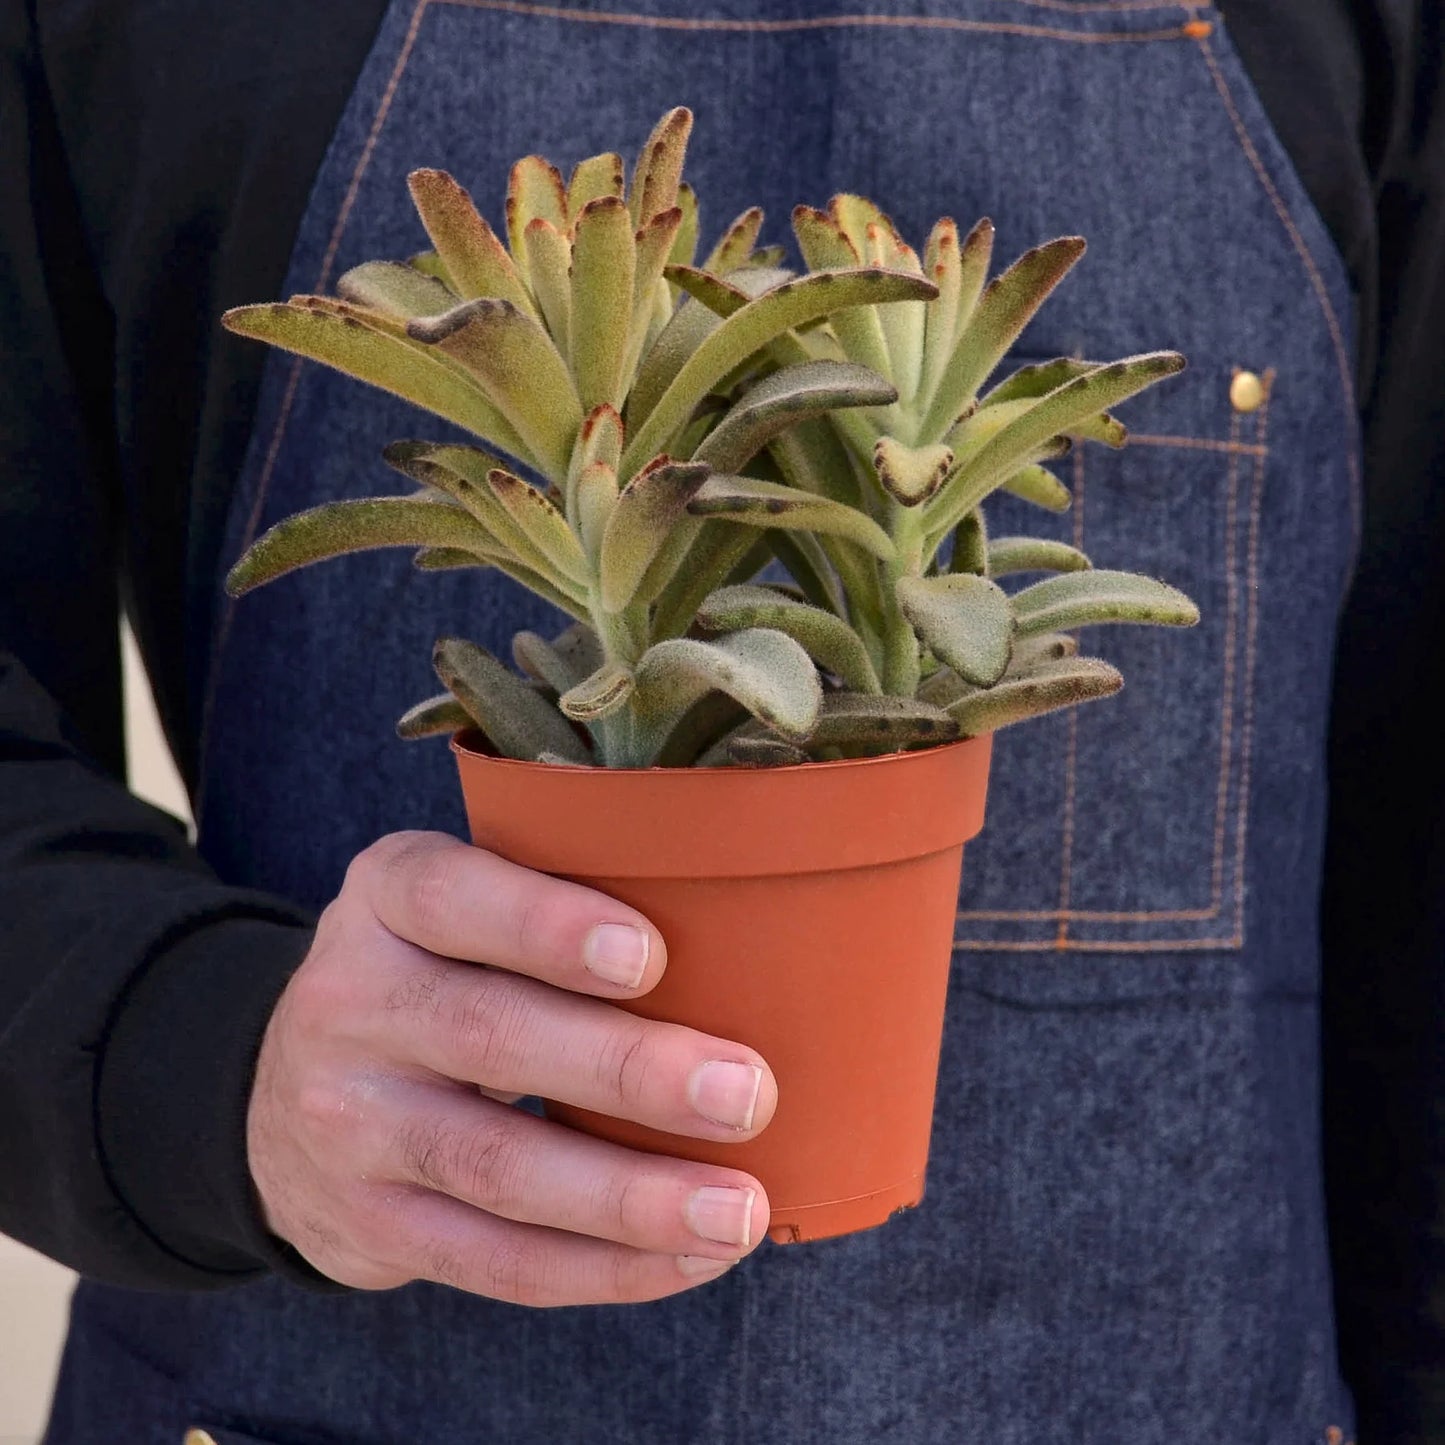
(293, 381)
(1251, 633)
(696, 25)
(1066, 872)
(1199, 444)
(1231, 626)
(1063, 940)
(1317, 282)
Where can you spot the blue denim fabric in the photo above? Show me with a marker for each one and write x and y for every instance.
(1123, 1239)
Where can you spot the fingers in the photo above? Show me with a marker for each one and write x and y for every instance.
(514, 1165)
(465, 903)
(517, 1036)
(444, 1240)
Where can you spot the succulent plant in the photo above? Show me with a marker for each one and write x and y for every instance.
(657, 431)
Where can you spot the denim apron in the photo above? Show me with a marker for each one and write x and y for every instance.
(1123, 1239)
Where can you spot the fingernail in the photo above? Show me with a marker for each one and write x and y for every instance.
(695, 1266)
(616, 952)
(725, 1092)
(722, 1214)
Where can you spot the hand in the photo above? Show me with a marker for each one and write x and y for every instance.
(381, 1135)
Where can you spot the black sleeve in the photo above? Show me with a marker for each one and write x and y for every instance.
(1384, 893)
(134, 987)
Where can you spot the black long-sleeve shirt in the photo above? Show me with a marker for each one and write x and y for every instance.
(155, 157)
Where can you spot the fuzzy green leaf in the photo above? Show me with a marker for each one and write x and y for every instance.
(1028, 436)
(766, 671)
(604, 259)
(562, 663)
(803, 555)
(519, 368)
(825, 246)
(548, 257)
(1033, 554)
(684, 243)
(1029, 383)
(534, 191)
(596, 176)
(337, 528)
(447, 559)
(651, 296)
(862, 725)
(827, 638)
(910, 475)
(599, 694)
(474, 260)
(395, 288)
(1081, 599)
(1004, 309)
(719, 296)
(1040, 486)
(544, 525)
(437, 715)
(692, 323)
(736, 244)
(748, 330)
(964, 619)
(764, 752)
(369, 354)
(970, 545)
(770, 504)
(518, 722)
(1052, 685)
(702, 725)
(788, 396)
(942, 265)
(647, 511)
(659, 166)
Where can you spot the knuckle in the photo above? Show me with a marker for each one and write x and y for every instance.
(623, 1201)
(324, 1106)
(433, 883)
(624, 1065)
(489, 1019)
(513, 1270)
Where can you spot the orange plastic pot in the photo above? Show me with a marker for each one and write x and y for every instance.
(808, 912)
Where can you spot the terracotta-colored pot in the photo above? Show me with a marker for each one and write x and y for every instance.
(808, 912)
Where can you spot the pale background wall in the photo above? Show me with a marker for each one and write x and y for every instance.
(34, 1292)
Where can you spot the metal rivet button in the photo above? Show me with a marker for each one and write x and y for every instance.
(1246, 391)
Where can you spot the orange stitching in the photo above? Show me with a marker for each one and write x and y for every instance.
(818, 22)
(1199, 444)
(1083, 915)
(1256, 507)
(1090, 945)
(1322, 295)
(1231, 621)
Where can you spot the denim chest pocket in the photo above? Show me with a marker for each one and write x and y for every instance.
(1122, 826)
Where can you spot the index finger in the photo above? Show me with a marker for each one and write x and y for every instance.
(466, 903)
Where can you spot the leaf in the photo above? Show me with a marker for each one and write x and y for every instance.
(596, 176)
(534, 190)
(337, 528)
(764, 752)
(910, 475)
(546, 528)
(1030, 434)
(648, 509)
(520, 370)
(825, 246)
(599, 694)
(390, 362)
(903, 322)
(1040, 486)
(395, 288)
(604, 258)
(788, 396)
(517, 721)
(862, 725)
(446, 559)
(690, 326)
(1051, 686)
(736, 244)
(437, 715)
(651, 299)
(766, 671)
(965, 619)
(548, 257)
(750, 329)
(429, 264)
(562, 663)
(770, 504)
(1080, 599)
(1004, 309)
(1029, 652)
(659, 166)
(474, 261)
(712, 715)
(943, 266)
(1029, 383)
(970, 545)
(826, 637)
(596, 499)
(684, 243)
(975, 255)
(1033, 554)
(719, 296)
(803, 555)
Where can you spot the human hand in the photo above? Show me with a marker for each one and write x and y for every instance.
(381, 1135)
